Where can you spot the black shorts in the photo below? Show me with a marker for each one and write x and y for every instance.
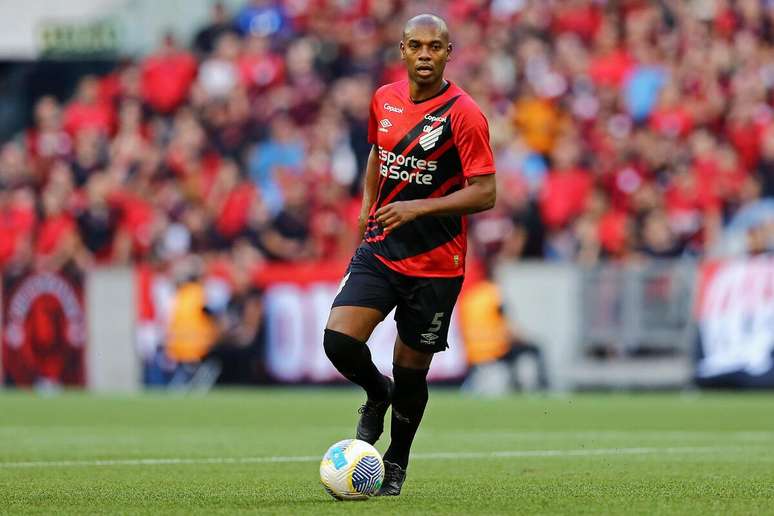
(424, 305)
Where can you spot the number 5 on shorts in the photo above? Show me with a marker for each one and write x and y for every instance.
(437, 323)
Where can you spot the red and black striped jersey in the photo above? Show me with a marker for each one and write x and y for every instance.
(426, 149)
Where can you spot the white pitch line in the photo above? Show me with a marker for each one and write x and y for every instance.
(612, 434)
(583, 452)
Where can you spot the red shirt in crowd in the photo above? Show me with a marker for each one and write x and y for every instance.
(564, 196)
(261, 71)
(612, 231)
(583, 20)
(137, 219)
(16, 221)
(746, 139)
(166, 79)
(611, 70)
(79, 116)
(52, 232)
(675, 122)
(232, 218)
(687, 203)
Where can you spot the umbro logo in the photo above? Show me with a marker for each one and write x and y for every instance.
(385, 124)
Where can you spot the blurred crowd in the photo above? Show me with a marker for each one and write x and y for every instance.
(622, 130)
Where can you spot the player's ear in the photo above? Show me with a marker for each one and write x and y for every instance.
(449, 49)
(402, 51)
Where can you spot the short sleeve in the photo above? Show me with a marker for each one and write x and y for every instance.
(470, 132)
(372, 122)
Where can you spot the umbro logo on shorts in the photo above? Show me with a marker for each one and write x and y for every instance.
(428, 339)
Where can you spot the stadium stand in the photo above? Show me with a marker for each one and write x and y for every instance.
(622, 130)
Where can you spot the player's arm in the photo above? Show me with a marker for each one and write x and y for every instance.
(479, 195)
(370, 185)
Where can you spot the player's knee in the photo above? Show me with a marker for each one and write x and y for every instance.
(341, 349)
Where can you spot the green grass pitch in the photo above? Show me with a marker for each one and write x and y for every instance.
(256, 451)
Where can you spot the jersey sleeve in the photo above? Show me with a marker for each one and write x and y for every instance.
(470, 131)
(372, 121)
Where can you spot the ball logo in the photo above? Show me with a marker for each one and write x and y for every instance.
(393, 109)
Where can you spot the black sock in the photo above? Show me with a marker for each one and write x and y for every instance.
(408, 405)
(352, 358)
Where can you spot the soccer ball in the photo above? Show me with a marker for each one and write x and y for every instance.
(351, 470)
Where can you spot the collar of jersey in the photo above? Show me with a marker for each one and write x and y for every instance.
(441, 92)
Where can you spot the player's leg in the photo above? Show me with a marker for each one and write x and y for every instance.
(365, 297)
(423, 318)
(409, 370)
(346, 333)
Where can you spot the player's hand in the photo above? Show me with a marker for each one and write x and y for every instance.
(396, 214)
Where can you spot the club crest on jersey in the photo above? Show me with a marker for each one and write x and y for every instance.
(428, 140)
(385, 124)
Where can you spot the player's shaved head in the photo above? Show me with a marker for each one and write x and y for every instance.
(426, 21)
(425, 48)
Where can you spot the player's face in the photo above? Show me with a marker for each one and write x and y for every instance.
(425, 50)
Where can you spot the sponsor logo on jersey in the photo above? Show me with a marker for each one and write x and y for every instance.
(394, 109)
(384, 124)
(409, 169)
(432, 118)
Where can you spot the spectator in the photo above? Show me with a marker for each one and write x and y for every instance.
(57, 242)
(263, 18)
(98, 220)
(259, 67)
(218, 74)
(219, 24)
(87, 111)
(90, 156)
(191, 332)
(238, 351)
(623, 130)
(47, 140)
(230, 199)
(283, 149)
(167, 75)
(17, 224)
(489, 338)
(566, 188)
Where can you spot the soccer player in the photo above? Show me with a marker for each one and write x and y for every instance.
(430, 164)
